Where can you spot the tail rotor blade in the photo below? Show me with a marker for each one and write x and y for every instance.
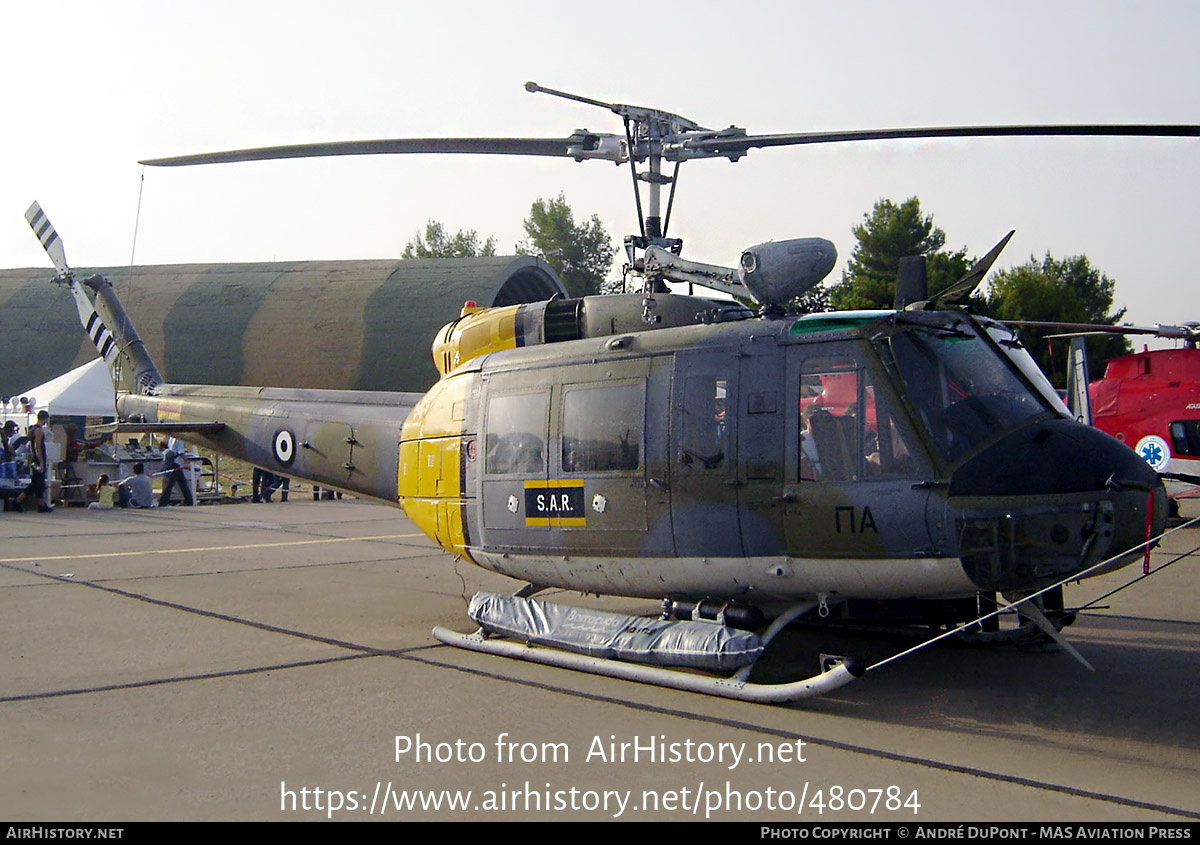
(50, 241)
(90, 318)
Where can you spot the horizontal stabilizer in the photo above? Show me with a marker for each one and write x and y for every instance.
(173, 429)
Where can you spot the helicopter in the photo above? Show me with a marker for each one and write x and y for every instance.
(736, 464)
(1149, 400)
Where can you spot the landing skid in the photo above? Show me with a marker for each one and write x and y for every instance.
(838, 675)
(1039, 624)
(593, 641)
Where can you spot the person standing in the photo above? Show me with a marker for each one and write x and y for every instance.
(260, 485)
(174, 462)
(9, 446)
(38, 465)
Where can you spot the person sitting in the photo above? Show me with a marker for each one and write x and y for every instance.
(104, 495)
(136, 491)
(8, 448)
(810, 459)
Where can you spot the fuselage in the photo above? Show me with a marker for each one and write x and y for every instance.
(856, 455)
(1151, 402)
(686, 449)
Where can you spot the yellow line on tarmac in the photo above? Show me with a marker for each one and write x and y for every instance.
(40, 558)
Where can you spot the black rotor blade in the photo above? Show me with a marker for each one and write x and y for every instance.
(492, 146)
(1186, 332)
(965, 286)
(734, 144)
(1095, 328)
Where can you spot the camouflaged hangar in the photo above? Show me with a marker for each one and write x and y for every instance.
(363, 325)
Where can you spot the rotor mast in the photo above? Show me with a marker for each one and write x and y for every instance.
(647, 132)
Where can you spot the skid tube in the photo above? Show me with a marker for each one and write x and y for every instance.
(840, 673)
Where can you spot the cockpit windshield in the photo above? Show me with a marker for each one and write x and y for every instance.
(963, 391)
(1019, 355)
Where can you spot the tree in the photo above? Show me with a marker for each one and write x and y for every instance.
(891, 232)
(437, 244)
(809, 302)
(1067, 291)
(581, 254)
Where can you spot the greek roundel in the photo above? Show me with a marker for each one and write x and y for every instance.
(284, 446)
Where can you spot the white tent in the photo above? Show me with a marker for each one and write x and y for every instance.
(85, 391)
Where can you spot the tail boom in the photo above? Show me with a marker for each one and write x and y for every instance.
(343, 439)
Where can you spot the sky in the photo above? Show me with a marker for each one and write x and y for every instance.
(91, 88)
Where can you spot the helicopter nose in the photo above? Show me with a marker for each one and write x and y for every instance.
(1048, 501)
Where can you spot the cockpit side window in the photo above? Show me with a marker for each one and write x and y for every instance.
(887, 451)
(829, 413)
(1185, 437)
(849, 428)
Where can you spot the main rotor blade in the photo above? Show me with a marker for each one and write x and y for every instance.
(584, 145)
(1035, 615)
(492, 146)
(965, 286)
(736, 144)
(1184, 332)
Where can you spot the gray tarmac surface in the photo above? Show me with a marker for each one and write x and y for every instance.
(226, 662)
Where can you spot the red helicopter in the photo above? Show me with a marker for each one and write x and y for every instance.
(1149, 400)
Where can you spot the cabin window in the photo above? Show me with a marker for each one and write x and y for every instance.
(516, 433)
(704, 438)
(602, 428)
(1185, 437)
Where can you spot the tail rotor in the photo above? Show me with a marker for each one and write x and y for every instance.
(101, 315)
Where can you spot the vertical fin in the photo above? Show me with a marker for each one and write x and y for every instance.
(131, 367)
(1078, 401)
(93, 324)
